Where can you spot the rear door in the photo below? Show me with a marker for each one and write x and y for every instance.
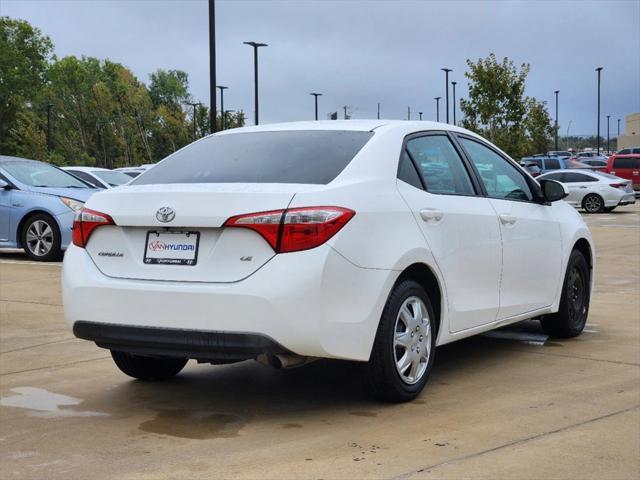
(5, 211)
(531, 240)
(460, 227)
(627, 166)
(579, 185)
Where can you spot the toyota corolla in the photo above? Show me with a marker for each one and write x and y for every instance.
(373, 241)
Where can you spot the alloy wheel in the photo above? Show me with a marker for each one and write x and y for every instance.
(39, 238)
(412, 340)
(576, 294)
(593, 204)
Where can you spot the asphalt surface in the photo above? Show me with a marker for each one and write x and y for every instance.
(507, 406)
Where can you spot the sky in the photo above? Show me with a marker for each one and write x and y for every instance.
(359, 53)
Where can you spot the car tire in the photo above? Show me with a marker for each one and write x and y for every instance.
(148, 368)
(407, 331)
(609, 209)
(40, 238)
(572, 313)
(593, 203)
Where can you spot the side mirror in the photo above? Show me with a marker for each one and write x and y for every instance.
(4, 185)
(553, 190)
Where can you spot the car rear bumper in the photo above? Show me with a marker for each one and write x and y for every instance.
(628, 199)
(312, 303)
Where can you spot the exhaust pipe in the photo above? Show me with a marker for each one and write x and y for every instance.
(279, 361)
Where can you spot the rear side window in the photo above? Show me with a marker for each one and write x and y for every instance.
(440, 165)
(313, 156)
(407, 172)
(574, 177)
(628, 162)
(86, 177)
(552, 164)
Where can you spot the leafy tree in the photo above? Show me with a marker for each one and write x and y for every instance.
(24, 54)
(498, 109)
(169, 88)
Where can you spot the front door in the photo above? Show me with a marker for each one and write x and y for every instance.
(460, 227)
(531, 238)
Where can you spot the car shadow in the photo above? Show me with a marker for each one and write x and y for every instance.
(216, 401)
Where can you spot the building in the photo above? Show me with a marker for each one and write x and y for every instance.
(631, 136)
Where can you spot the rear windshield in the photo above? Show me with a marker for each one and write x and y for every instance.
(626, 162)
(313, 156)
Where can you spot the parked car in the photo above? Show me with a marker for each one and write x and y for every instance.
(626, 166)
(99, 177)
(594, 191)
(595, 164)
(553, 163)
(580, 156)
(38, 203)
(627, 151)
(295, 241)
(531, 167)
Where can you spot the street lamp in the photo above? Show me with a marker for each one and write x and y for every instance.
(556, 143)
(454, 101)
(420, 113)
(599, 69)
(408, 113)
(222, 122)
(617, 140)
(437, 99)
(255, 46)
(378, 111)
(213, 111)
(608, 117)
(315, 98)
(194, 105)
(446, 81)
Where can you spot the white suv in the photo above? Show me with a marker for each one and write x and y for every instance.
(372, 241)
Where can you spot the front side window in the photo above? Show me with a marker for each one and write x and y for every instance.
(440, 166)
(501, 179)
(294, 156)
(553, 176)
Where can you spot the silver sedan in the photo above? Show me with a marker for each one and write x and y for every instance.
(593, 191)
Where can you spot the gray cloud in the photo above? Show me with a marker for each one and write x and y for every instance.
(359, 53)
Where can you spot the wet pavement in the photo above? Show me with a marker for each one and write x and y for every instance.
(511, 404)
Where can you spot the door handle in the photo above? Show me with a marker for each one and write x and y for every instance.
(431, 215)
(582, 187)
(507, 219)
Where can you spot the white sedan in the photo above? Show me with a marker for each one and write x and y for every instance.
(373, 241)
(594, 191)
(99, 177)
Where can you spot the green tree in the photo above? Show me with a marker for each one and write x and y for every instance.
(24, 55)
(498, 109)
(169, 88)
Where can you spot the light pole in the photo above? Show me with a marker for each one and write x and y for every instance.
(213, 111)
(378, 110)
(446, 81)
(408, 113)
(618, 129)
(255, 46)
(608, 117)
(222, 88)
(454, 101)
(567, 137)
(49, 143)
(420, 113)
(194, 105)
(437, 99)
(556, 129)
(599, 69)
(315, 98)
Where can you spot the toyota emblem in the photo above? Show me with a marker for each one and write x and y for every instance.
(165, 214)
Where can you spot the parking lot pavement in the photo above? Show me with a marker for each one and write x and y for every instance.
(504, 407)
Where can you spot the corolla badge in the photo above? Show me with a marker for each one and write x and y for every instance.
(165, 214)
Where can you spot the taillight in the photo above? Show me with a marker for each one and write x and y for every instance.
(618, 185)
(295, 229)
(86, 222)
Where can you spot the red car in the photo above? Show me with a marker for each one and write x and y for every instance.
(625, 166)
